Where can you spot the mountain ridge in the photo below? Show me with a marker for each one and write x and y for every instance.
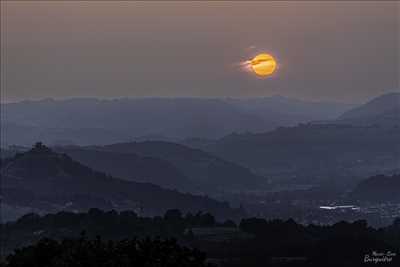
(383, 110)
(88, 121)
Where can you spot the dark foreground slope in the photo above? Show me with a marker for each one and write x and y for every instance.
(43, 179)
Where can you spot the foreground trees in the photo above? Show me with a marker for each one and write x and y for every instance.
(53, 240)
(97, 253)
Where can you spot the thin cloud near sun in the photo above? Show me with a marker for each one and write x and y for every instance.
(245, 65)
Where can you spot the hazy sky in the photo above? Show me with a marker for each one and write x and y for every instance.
(325, 50)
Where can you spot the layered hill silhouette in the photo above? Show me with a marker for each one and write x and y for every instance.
(313, 152)
(378, 188)
(205, 171)
(352, 146)
(383, 111)
(48, 181)
(131, 166)
(85, 121)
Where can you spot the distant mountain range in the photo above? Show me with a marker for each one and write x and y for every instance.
(360, 143)
(383, 111)
(85, 121)
(44, 180)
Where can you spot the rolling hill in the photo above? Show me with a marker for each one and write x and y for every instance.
(131, 167)
(203, 169)
(48, 181)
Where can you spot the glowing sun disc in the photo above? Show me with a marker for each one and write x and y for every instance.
(263, 64)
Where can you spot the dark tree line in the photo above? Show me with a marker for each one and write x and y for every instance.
(98, 253)
(109, 225)
(149, 241)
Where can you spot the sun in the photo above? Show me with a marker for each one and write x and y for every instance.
(263, 64)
